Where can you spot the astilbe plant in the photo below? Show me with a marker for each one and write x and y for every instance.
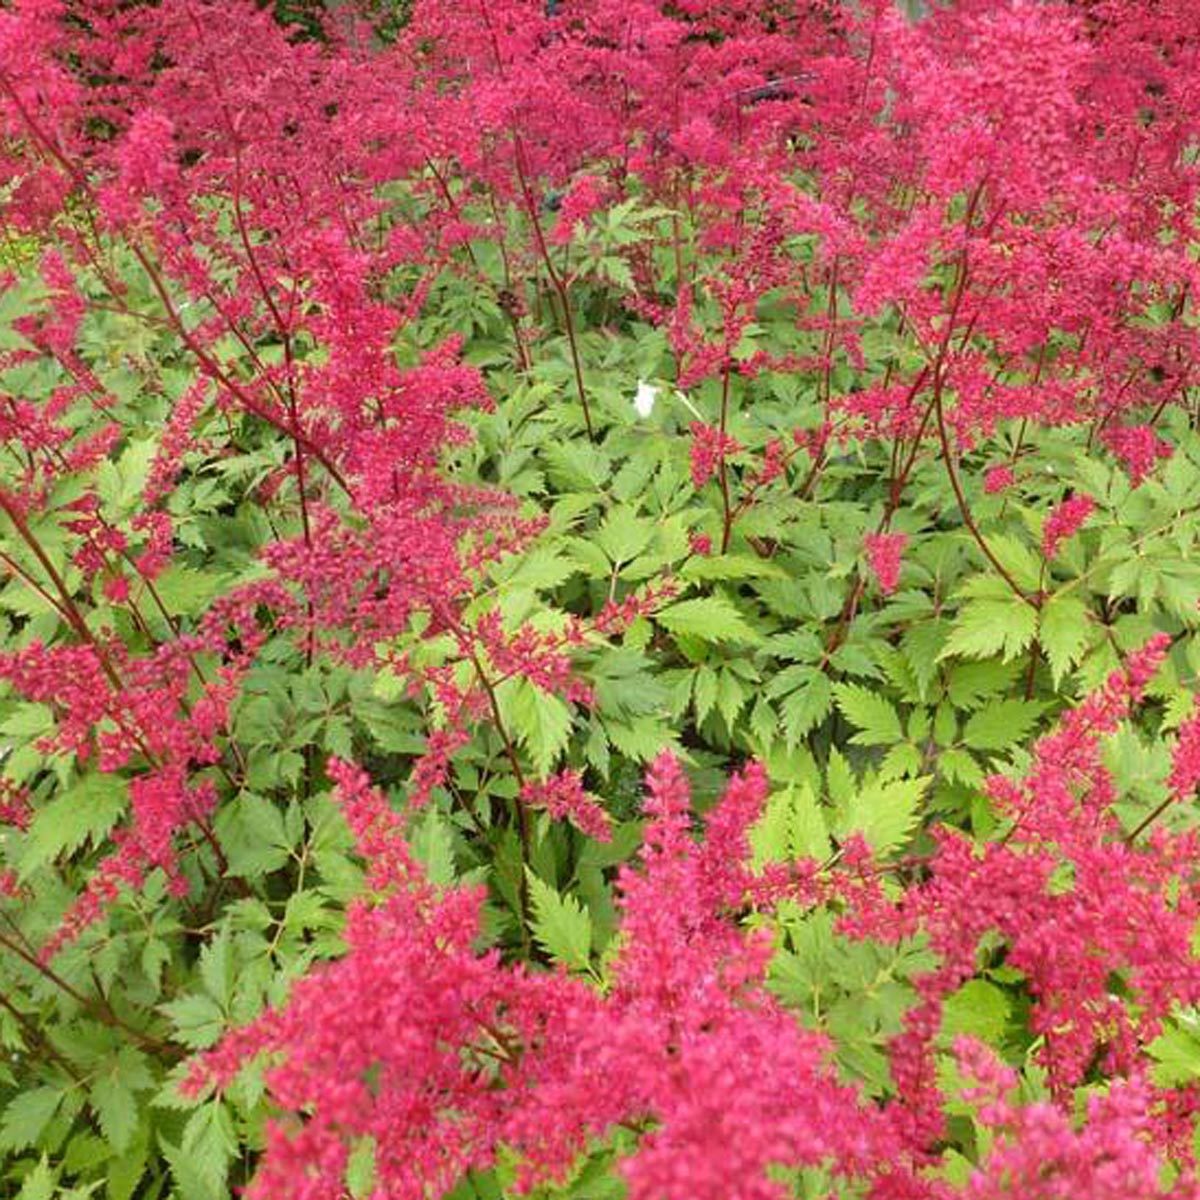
(449, 1060)
(221, 177)
(933, 239)
(457, 1057)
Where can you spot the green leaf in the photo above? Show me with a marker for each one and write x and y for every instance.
(87, 810)
(978, 1009)
(1001, 724)
(113, 1104)
(1176, 1052)
(120, 484)
(542, 567)
(986, 627)
(198, 1020)
(186, 592)
(731, 697)
(721, 567)
(17, 299)
(1018, 559)
(360, 1170)
(1064, 631)
(704, 692)
(623, 535)
(641, 738)
(209, 1144)
(561, 925)
(922, 644)
(216, 967)
(708, 618)
(576, 464)
(839, 778)
(539, 721)
(252, 834)
(39, 1184)
(26, 1115)
(874, 717)
(806, 707)
(885, 813)
(902, 759)
(791, 827)
(959, 766)
(433, 845)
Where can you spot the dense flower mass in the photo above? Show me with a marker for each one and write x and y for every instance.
(883, 555)
(433, 764)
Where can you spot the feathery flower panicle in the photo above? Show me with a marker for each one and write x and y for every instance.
(710, 448)
(998, 479)
(1064, 522)
(563, 797)
(1138, 447)
(883, 552)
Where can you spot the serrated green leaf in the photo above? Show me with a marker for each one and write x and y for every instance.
(433, 845)
(791, 827)
(113, 1103)
(922, 644)
(707, 618)
(208, 1148)
(539, 721)
(561, 925)
(1001, 724)
(39, 1184)
(640, 739)
(806, 707)
(185, 592)
(1176, 1053)
(216, 967)
(26, 1115)
(721, 567)
(972, 683)
(731, 696)
(902, 759)
(839, 778)
(251, 832)
(978, 1009)
(542, 567)
(960, 766)
(623, 535)
(875, 718)
(986, 627)
(198, 1020)
(86, 810)
(704, 692)
(1018, 559)
(576, 464)
(1064, 630)
(884, 812)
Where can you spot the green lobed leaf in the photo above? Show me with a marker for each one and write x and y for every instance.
(1002, 724)
(709, 619)
(85, 811)
(26, 1115)
(1064, 630)
(539, 721)
(561, 925)
(992, 626)
(884, 812)
(875, 718)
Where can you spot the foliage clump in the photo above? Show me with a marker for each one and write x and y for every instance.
(599, 598)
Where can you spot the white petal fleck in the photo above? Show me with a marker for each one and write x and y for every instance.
(643, 402)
